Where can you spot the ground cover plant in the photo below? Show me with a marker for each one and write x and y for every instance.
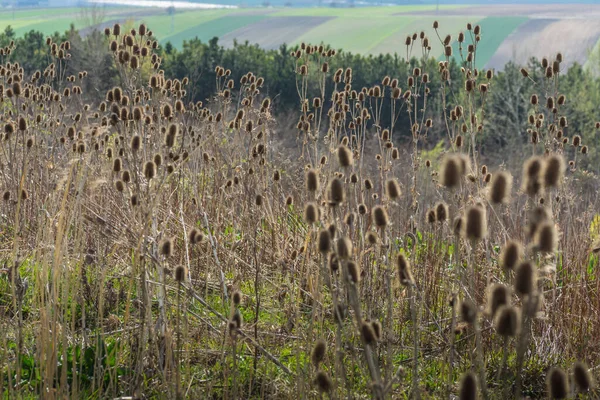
(157, 247)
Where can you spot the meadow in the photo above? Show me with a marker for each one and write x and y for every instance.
(156, 247)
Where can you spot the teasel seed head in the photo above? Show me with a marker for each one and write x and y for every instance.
(525, 278)
(392, 189)
(318, 353)
(451, 172)
(367, 333)
(431, 217)
(558, 383)
(507, 321)
(404, 270)
(344, 248)
(441, 212)
(501, 186)
(311, 213)
(372, 238)
(532, 171)
(324, 242)
(312, 180)
(497, 295)
(353, 271)
(149, 170)
(546, 238)
(180, 273)
(344, 156)
(337, 194)
(323, 382)
(166, 247)
(468, 387)
(554, 170)
(380, 217)
(475, 223)
(468, 311)
(584, 382)
(511, 255)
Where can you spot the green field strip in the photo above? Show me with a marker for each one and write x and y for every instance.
(51, 26)
(493, 32)
(359, 12)
(352, 34)
(161, 24)
(395, 43)
(215, 27)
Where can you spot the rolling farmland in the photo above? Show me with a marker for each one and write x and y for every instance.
(508, 34)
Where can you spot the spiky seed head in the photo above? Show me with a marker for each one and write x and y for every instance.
(576, 140)
(337, 194)
(558, 383)
(180, 273)
(236, 298)
(312, 180)
(468, 387)
(475, 223)
(311, 213)
(582, 378)
(344, 248)
(498, 295)
(451, 172)
(344, 156)
(318, 352)
(404, 270)
(507, 321)
(441, 212)
(546, 238)
(368, 184)
(380, 216)
(6, 196)
(236, 318)
(324, 241)
(532, 171)
(372, 238)
(511, 255)
(135, 143)
(468, 311)
(431, 217)
(458, 225)
(258, 200)
(333, 262)
(554, 170)
(525, 278)
(367, 333)
(376, 325)
(501, 186)
(392, 189)
(117, 165)
(323, 382)
(149, 170)
(166, 247)
(353, 271)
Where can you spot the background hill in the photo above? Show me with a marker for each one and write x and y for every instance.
(510, 32)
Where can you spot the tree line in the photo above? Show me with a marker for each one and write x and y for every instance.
(507, 107)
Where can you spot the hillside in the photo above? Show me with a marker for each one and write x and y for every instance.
(508, 33)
